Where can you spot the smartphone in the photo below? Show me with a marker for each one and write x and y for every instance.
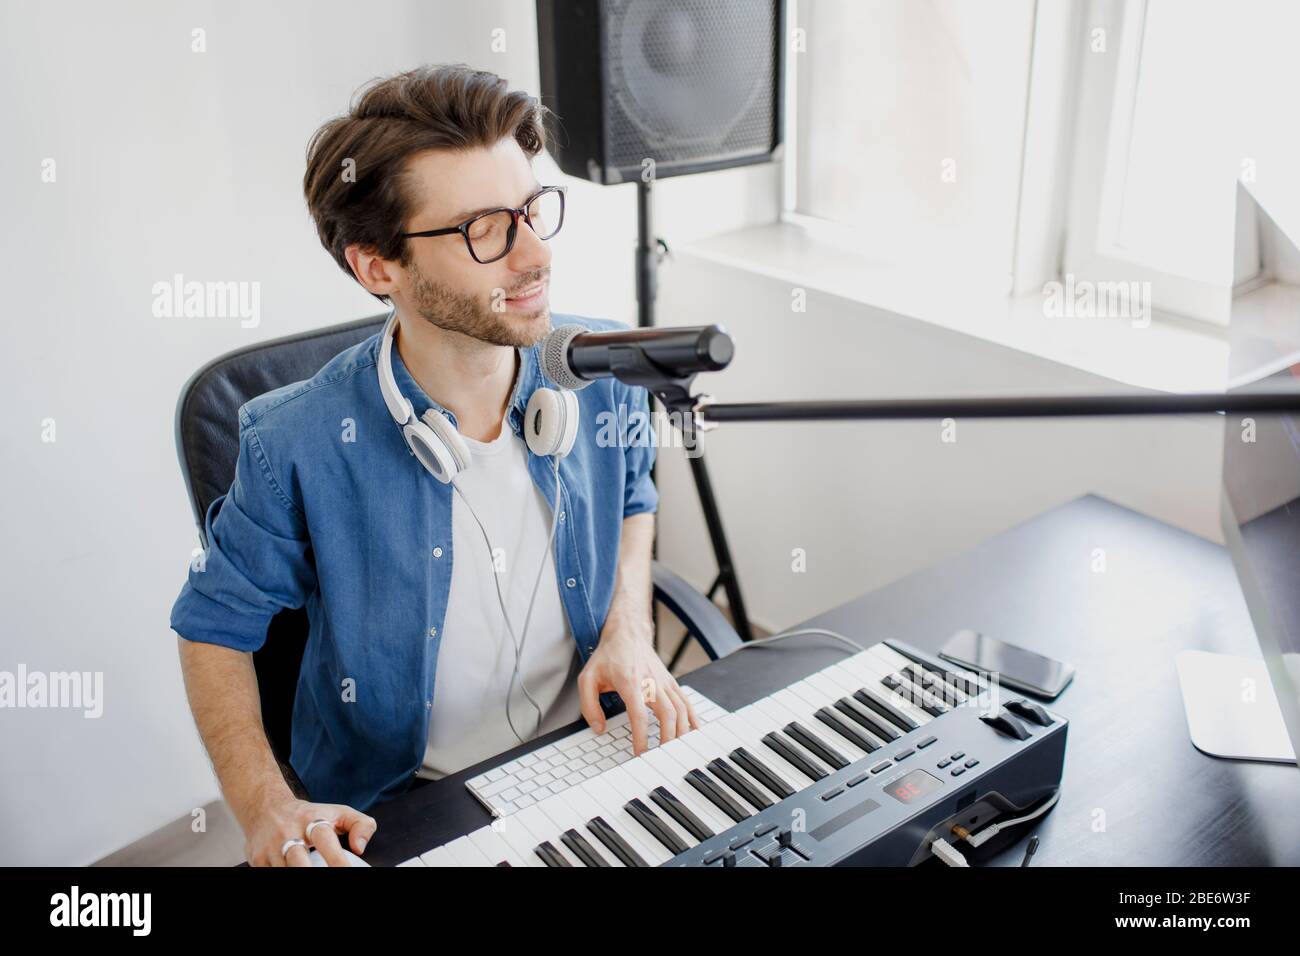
(1016, 667)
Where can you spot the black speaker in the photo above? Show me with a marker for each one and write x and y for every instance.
(693, 85)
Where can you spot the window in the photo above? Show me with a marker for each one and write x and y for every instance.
(1179, 100)
(910, 120)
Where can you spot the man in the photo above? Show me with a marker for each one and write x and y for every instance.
(425, 194)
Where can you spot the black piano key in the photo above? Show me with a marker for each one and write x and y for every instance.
(882, 707)
(688, 821)
(504, 863)
(851, 734)
(583, 850)
(818, 747)
(550, 855)
(969, 686)
(932, 682)
(917, 696)
(883, 731)
(607, 835)
(733, 779)
(762, 773)
(715, 795)
(656, 827)
(793, 756)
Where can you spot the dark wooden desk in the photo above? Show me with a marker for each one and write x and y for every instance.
(1136, 792)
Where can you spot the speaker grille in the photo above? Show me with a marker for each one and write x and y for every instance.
(690, 80)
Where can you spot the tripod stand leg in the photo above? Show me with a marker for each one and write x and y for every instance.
(721, 550)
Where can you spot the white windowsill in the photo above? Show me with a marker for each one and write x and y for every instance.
(1170, 354)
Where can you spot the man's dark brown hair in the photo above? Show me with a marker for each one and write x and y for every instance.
(434, 107)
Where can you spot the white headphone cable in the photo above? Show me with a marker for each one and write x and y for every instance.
(550, 543)
(514, 640)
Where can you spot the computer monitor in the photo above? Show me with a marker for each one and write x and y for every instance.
(1241, 708)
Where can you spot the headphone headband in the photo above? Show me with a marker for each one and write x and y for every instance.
(398, 406)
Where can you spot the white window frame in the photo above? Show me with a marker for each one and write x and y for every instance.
(1107, 86)
(1044, 157)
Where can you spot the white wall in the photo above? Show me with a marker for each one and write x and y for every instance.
(172, 161)
(869, 502)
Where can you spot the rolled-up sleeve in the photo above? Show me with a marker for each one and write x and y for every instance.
(639, 492)
(258, 559)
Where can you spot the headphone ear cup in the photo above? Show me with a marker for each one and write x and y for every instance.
(437, 445)
(430, 451)
(551, 422)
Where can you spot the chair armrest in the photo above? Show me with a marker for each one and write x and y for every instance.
(702, 619)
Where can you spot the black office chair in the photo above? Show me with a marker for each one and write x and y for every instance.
(207, 442)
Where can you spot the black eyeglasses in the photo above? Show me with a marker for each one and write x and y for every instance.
(491, 235)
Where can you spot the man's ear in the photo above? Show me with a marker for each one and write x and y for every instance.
(377, 274)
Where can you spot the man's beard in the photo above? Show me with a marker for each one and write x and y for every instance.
(458, 312)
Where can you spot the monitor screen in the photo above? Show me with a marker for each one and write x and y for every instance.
(1261, 468)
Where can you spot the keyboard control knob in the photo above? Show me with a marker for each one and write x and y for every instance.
(785, 838)
(1030, 712)
(1004, 723)
(729, 858)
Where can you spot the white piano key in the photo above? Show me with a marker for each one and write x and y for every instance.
(543, 830)
(597, 802)
(561, 813)
(878, 692)
(491, 845)
(806, 715)
(413, 861)
(623, 788)
(647, 779)
(670, 760)
(847, 685)
(872, 674)
(466, 854)
(438, 856)
(515, 835)
(762, 720)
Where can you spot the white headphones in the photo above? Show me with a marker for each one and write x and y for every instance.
(550, 421)
(550, 428)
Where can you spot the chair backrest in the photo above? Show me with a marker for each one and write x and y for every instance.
(207, 442)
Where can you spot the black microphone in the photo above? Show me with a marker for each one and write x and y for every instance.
(574, 356)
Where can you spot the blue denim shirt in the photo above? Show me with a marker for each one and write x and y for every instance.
(330, 509)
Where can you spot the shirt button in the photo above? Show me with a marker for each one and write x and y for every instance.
(561, 515)
(437, 552)
(571, 582)
(428, 705)
(433, 632)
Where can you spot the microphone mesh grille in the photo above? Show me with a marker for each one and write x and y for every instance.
(555, 361)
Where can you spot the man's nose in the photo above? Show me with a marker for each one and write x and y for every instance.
(529, 252)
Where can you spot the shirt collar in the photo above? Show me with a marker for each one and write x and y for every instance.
(526, 382)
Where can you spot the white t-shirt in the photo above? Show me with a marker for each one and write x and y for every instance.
(476, 656)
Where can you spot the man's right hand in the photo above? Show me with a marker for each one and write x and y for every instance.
(286, 818)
